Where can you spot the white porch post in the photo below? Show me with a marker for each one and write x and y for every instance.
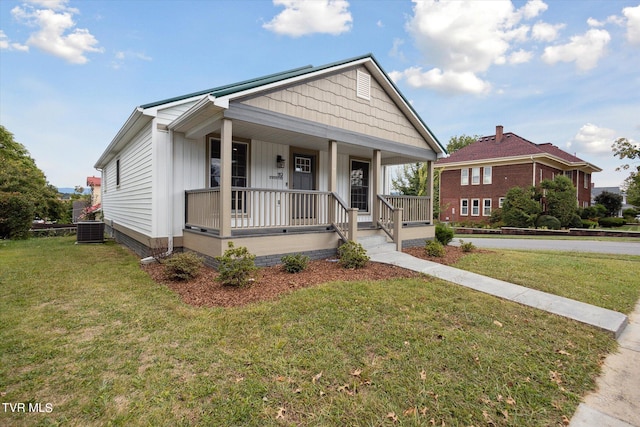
(333, 166)
(226, 152)
(430, 190)
(377, 188)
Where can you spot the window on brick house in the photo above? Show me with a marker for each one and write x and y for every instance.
(475, 176)
(464, 207)
(486, 207)
(486, 174)
(501, 202)
(475, 207)
(464, 176)
(586, 180)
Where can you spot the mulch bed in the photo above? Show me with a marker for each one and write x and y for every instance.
(271, 282)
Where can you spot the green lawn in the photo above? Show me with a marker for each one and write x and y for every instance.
(86, 331)
(609, 281)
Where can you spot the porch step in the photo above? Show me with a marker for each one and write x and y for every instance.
(377, 244)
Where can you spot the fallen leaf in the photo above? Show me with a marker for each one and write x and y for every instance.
(498, 324)
(565, 353)
(322, 393)
(423, 411)
(239, 379)
(423, 375)
(506, 414)
(356, 372)
(392, 416)
(343, 387)
(566, 421)
(555, 377)
(280, 378)
(510, 401)
(281, 412)
(316, 377)
(407, 343)
(410, 412)
(298, 390)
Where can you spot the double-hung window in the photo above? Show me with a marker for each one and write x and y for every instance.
(486, 175)
(475, 176)
(475, 207)
(486, 207)
(464, 207)
(359, 180)
(464, 176)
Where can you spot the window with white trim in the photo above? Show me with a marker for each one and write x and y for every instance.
(586, 180)
(501, 202)
(475, 207)
(239, 168)
(475, 176)
(464, 207)
(487, 174)
(464, 176)
(486, 207)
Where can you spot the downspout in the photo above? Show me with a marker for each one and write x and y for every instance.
(150, 259)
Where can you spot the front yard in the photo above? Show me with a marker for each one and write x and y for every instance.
(86, 331)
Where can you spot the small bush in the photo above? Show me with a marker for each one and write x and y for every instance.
(549, 222)
(576, 221)
(352, 255)
(611, 222)
(588, 224)
(467, 246)
(444, 234)
(182, 266)
(435, 248)
(294, 263)
(236, 266)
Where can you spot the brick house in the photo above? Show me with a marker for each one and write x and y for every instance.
(475, 179)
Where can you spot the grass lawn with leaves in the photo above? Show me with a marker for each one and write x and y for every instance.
(86, 330)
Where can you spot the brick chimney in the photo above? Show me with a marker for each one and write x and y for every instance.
(499, 133)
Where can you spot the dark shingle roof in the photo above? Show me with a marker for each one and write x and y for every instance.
(511, 145)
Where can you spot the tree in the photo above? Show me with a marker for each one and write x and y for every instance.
(412, 180)
(458, 142)
(625, 149)
(560, 199)
(520, 209)
(24, 189)
(611, 201)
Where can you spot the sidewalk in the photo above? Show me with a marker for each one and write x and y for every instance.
(616, 401)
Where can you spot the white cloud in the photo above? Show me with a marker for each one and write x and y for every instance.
(122, 56)
(520, 57)
(633, 24)
(5, 44)
(463, 39)
(545, 32)
(302, 17)
(585, 50)
(445, 81)
(592, 139)
(56, 33)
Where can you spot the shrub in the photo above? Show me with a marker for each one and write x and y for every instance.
(588, 224)
(434, 248)
(236, 266)
(352, 255)
(444, 234)
(294, 263)
(467, 246)
(182, 266)
(576, 221)
(16, 215)
(611, 222)
(548, 221)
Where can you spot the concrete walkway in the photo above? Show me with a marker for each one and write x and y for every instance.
(616, 401)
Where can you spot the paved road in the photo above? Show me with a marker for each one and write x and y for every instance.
(609, 247)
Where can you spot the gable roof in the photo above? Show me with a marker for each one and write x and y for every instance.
(511, 147)
(223, 93)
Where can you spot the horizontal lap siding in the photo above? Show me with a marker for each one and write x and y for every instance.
(167, 115)
(130, 204)
(332, 101)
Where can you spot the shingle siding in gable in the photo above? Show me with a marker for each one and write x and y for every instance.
(332, 101)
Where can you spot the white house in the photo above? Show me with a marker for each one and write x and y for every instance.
(292, 162)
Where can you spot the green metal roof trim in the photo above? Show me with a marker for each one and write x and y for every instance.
(273, 78)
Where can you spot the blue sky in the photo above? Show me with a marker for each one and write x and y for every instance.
(565, 72)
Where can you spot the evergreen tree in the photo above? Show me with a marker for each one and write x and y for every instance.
(560, 199)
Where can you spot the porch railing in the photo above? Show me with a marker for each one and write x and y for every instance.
(415, 208)
(386, 220)
(268, 208)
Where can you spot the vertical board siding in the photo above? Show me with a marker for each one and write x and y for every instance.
(332, 100)
(130, 204)
(190, 173)
(262, 167)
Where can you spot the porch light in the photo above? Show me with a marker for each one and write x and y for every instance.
(280, 162)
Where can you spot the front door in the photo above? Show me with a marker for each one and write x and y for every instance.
(303, 178)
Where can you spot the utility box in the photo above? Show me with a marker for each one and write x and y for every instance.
(90, 232)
